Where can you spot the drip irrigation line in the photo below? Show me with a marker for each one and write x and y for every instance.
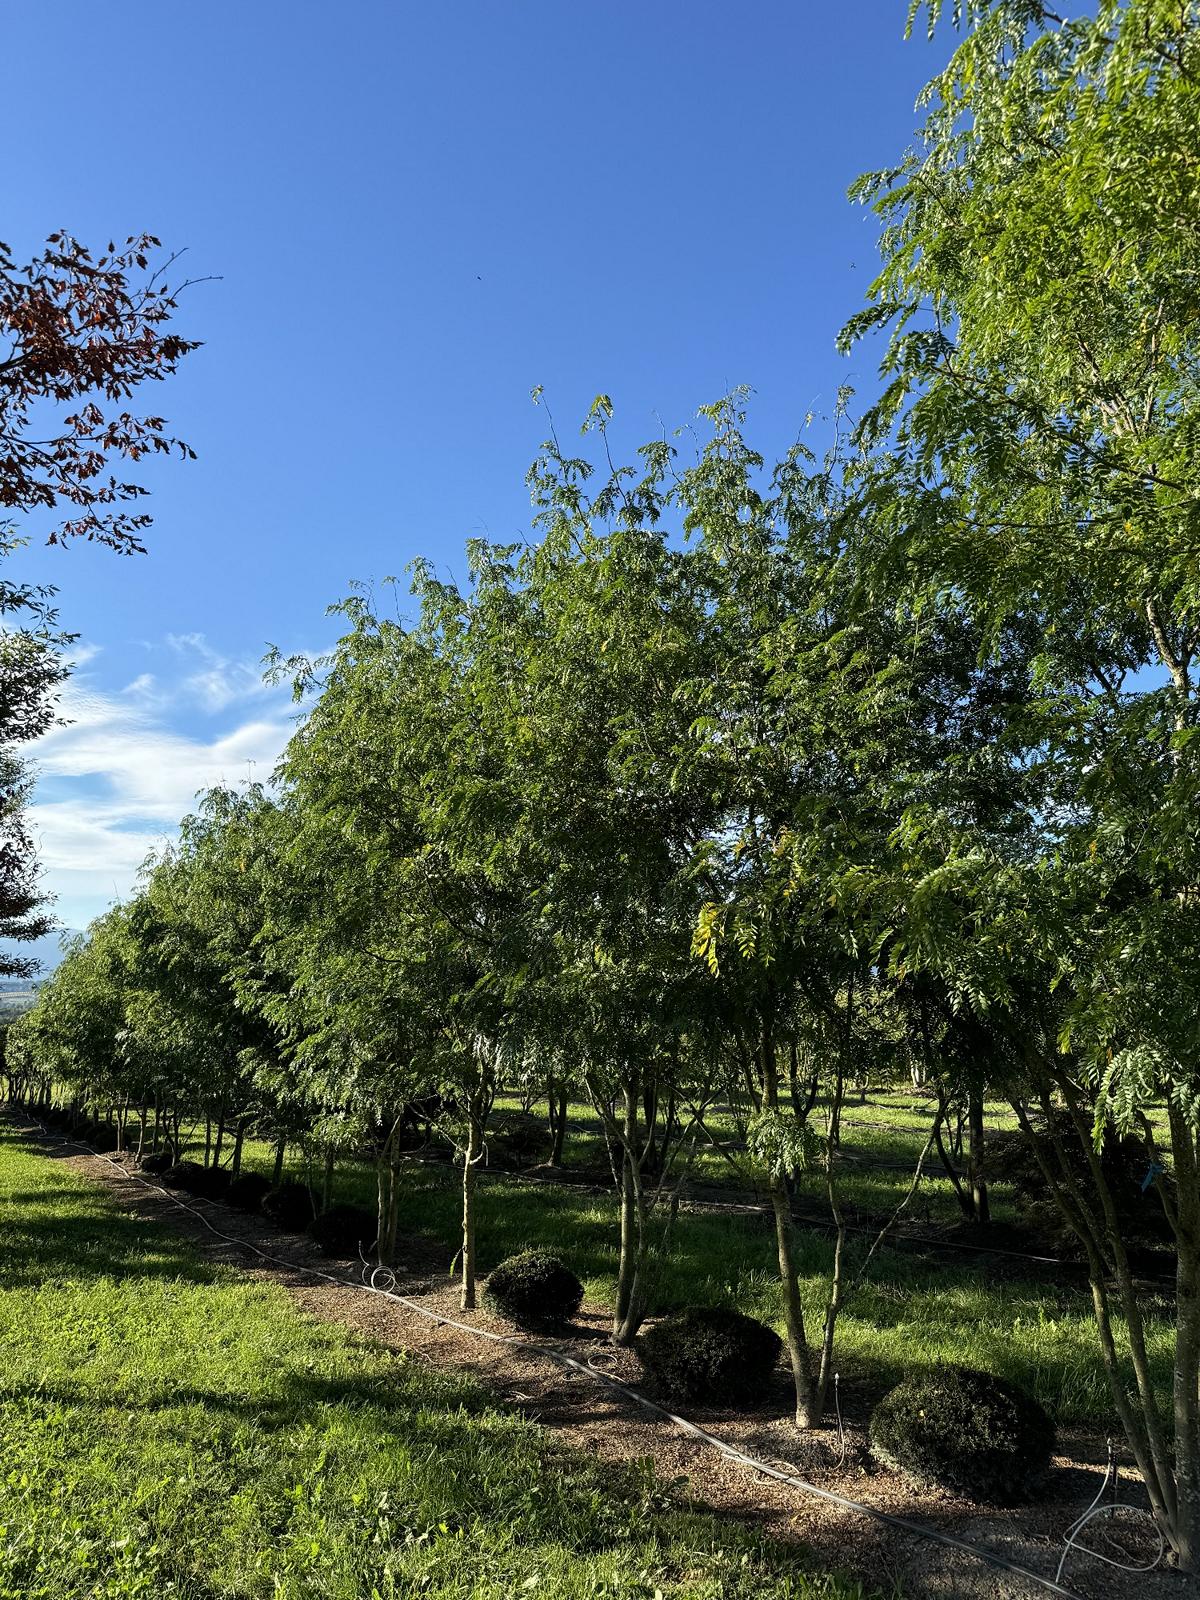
(754, 1208)
(588, 1370)
(893, 1241)
(1098, 1510)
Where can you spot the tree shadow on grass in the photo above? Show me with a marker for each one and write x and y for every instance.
(58, 1249)
(58, 1232)
(407, 1409)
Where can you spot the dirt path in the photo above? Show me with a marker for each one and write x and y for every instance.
(600, 1421)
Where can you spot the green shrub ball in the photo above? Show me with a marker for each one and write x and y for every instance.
(289, 1207)
(711, 1353)
(344, 1230)
(534, 1289)
(247, 1192)
(966, 1431)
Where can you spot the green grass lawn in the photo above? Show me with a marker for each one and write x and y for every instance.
(171, 1430)
(910, 1311)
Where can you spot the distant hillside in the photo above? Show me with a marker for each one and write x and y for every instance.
(46, 950)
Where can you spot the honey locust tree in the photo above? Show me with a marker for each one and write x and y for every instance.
(228, 871)
(400, 780)
(188, 948)
(820, 724)
(614, 621)
(1035, 451)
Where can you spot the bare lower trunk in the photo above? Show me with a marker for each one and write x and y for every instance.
(277, 1170)
(1186, 1407)
(795, 1335)
(387, 1197)
(837, 1285)
(1186, 1377)
(793, 1312)
(965, 1202)
(1136, 1405)
(558, 1119)
(327, 1179)
(384, 1212)
(628, 1313)
(980, 1206)
(471, 1158)
(235, 1165)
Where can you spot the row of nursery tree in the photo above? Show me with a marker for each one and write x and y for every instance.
(735, 778)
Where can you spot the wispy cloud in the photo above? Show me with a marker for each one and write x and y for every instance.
(216, 681)
(80, 654)
(114, 781)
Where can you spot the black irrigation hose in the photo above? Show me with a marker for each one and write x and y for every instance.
(560, 1357)
(927, 1248)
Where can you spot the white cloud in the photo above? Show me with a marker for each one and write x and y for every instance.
(115, 780)
(217, 681)
(143, 687)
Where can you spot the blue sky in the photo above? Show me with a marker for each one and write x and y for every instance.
(417, 212)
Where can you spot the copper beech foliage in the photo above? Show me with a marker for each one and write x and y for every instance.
(78, 334)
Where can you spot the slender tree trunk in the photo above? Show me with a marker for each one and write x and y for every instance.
(833, 1305)
(1142, 1426)
(470, 1160)
(558, 1128)
(327, 1179)
(235, 1165)
(1186, 1407)
(981, 1209)
(796, 1337)
(1186, 1376)
(648, 1160)
(387, 1196)
(628, 1313)
(277, 1169)
(1130, 1300)
(383, 1208)
(141, 1145)
(207, 1140)
(965, 1203)
(793, 1312)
